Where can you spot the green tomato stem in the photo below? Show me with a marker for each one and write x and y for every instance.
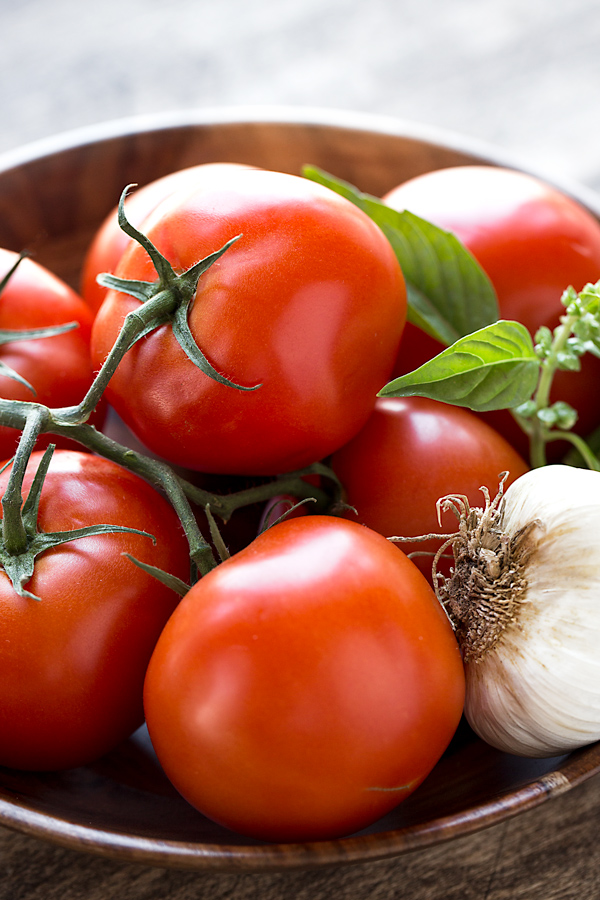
(180, 492)
(14, 533)
(290, 483)
(17, 414)
(157, 473)
(152, 312)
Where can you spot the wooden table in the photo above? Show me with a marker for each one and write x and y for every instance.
(551, 853)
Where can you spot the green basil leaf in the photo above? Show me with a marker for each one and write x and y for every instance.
(494, 368)
(449, 294)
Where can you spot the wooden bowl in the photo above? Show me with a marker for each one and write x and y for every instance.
(53, 195)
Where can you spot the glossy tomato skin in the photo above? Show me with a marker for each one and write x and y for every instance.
(309, 304)
(110, 241)
(411, 452)
(72, 664)
(307, 685)
(59, 368)
(533, 241)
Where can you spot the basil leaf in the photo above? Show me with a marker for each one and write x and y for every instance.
(494, 368)
(449, 294)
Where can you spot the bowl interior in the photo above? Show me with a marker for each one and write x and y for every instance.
(55, 196)
(52, 198)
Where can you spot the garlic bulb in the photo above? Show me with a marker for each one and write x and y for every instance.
(525, 602)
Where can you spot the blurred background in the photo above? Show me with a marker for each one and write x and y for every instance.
(523, 76)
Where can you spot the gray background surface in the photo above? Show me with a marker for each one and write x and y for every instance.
(522, 74)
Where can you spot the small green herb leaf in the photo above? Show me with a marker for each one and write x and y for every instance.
(494, 368)
(449, 294)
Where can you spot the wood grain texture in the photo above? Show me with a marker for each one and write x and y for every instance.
(123, 807)
(548, 854)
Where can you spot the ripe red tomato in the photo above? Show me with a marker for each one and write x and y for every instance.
(309, 304)
(306, 686)
(110, 241)
(411, 452)
(72, 664)
(532, 240)
(59, 368)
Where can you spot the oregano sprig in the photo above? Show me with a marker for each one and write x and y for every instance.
(500, 367)
(561, 350)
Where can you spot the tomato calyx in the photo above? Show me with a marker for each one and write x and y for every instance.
(165, 301)
(281, 508)
(8, 336)
(171, 581)
(21, 541)
(29, 334)
(268, 520)
(17, 413)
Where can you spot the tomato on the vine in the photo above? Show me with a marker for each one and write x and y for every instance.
(412, 452)
(533, 241)
(110, 241)
(72, 664)
(59, 368)
(307, 307)
(305, 686)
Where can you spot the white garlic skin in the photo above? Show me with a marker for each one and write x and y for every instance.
(537, 693)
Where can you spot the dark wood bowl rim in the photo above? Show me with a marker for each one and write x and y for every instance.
(574, 770)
